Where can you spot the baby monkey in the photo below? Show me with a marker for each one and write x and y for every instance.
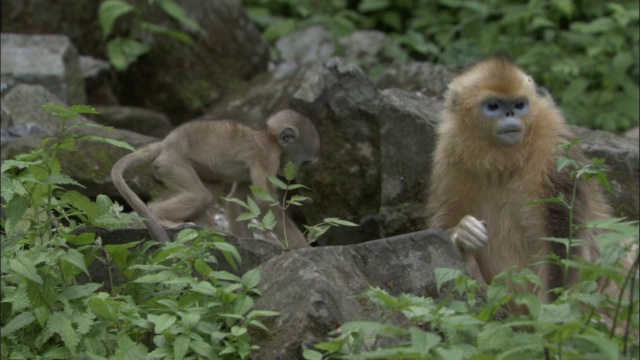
(197, 158)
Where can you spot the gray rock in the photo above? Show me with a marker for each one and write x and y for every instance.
(361, 46)
(181, 80)
(306, 46)
(97, 74)
(346, 181)
(316, 290)
(428, 78)
(18, 131)
(48, 60)
(142, 121)
(622, 161)
(407, 141)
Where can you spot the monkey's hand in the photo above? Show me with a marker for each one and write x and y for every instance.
(470, 235)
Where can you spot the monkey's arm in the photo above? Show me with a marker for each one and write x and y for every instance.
(471, 236)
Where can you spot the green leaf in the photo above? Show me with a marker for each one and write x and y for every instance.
(201, 348)
(15, 210)
(82, 239)
(123, 52)
(187, 235)
(109, 12)
(178, 35)
(251, 279)
(181, 346)
(225, 276)
(269, 220)
(444, 275)
(162, 322)
(155, 278)
(84, 109)
(75, 258)
(60, 323)
(18, 322)
(309, 354)
(114, 142)
(177, 12)
(107, 309)
(238, 331)
(422, 341)
(339, 222)
(79, 291)
(205, 288)
(253, 207)
(82, 203)
(290, 171)
(23, 266)
(236, 201)
(607, 347)
(277, 182)
(261, 193)
(260, 313)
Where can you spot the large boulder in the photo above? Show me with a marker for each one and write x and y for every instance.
(622, 161)
(316, 290)
(181, 80)
(48, 60)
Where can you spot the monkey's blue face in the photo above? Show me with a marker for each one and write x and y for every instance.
(507, 114)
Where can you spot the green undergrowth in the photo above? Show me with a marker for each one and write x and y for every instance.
(155, 301)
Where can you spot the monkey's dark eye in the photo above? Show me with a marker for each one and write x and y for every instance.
(491, 108)
(520, 105)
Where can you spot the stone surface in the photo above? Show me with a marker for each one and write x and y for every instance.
(407, 141)
(310, 45)
(97, 81)
(622, 161)
(346, 180)
(48, 60)
(316, 290)
(427, 78)
(181, 80)
(139, 120)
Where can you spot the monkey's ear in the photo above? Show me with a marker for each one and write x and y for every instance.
(287, 136)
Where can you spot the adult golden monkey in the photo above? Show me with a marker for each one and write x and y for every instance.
(199, 156)
(497, 142)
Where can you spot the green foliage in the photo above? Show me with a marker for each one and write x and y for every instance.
(125, 49)
(583, 322)
(170, 305)
(585, 51)
(268, 221)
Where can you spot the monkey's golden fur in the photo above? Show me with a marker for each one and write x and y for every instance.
(475, 175)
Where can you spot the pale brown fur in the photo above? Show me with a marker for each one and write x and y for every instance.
(474, 175)
(197, 158)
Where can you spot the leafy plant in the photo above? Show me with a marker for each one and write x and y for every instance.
(268, 221)
(171, 304)
(124, 50)
(585, 51)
